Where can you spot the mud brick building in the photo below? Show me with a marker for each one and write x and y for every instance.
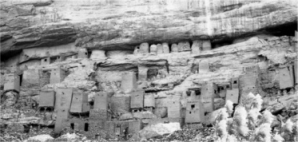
(63, 98)
(45, 61)
(82, 53)
(62, 106)
(44, 77)
(222, 88)
(174, 106)
(235, 83)
(96, 129)
(31, 78)
(57, 75)
(193, 93)
(249, 83)
(129, 82)
(285, 77)
(161, 107)
(120, 104)
(100, 107)
(233, 95)
(47, 99)
(134, 126)
(149, 101)
(101, 101)
(142, 73)
(12, 82)
(80, 125)
(79, 102)
(207, 96)
(137, 99)
(116, 129)
(194, 110)
(99, 114)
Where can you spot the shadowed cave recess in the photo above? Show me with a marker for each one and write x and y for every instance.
(132, 70)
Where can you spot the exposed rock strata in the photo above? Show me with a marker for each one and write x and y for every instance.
(137, 24)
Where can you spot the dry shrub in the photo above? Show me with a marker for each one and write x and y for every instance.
(248, 124)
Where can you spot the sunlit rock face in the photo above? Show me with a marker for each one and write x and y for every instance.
(111, 24)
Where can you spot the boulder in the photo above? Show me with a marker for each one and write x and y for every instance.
(40, 138)
(159, 129)
(70, 137)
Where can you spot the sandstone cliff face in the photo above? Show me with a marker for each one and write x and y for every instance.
(173, 46)
(114, 25)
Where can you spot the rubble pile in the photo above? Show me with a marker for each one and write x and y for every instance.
(178, 75)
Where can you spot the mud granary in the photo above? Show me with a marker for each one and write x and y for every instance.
(110, 76)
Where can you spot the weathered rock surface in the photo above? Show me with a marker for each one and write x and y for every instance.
(105, 28)
(281, 102)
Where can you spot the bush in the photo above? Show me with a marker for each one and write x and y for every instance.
(248, 124)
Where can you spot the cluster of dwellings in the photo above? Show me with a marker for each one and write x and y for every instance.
(26, 61)
(41, 56)
(20, 75)
(163, 48)
(75, 113)
(32, 78)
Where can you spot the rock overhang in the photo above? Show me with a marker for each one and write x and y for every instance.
(134, 25)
